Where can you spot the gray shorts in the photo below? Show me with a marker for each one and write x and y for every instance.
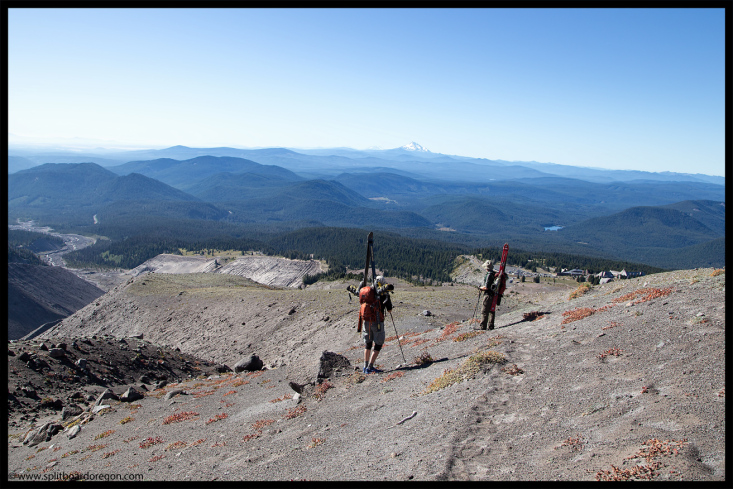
(373, 332)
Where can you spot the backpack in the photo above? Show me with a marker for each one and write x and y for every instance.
(369, 310)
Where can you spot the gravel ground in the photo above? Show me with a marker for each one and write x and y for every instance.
(635, 389)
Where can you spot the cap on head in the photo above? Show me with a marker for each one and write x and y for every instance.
(488, 265)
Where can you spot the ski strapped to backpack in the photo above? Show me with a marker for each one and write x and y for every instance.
(499, 284)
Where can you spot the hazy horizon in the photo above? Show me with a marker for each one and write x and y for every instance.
(615, 89)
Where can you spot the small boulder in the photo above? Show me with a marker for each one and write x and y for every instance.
(296, 387)
(329, 362)
(427, 313)
(70, 411)
(251, 364)
(29, 392)
(73, 431)
(56, 353)
(175, 392)
(37, 436)
(130, 395)
(82, 363)
(145, 379)
(24, 357)
(107, 394)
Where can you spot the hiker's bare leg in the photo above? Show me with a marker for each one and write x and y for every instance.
(375, 353)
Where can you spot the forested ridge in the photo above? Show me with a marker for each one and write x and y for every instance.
(342, 248)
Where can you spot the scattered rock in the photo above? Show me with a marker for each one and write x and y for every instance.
(329, 362)
(130, 395)
(251, 364)
(37, 436)
(73, 431)
(427, 313)
(107, 394)
(24, 357)
(296, 387)
(70, 411)
(174, 393)
(56, 353)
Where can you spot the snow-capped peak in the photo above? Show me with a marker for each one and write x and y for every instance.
(413, 146)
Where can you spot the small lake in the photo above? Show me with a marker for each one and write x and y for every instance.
(553, 228)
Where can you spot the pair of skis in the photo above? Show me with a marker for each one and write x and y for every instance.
(501, 280)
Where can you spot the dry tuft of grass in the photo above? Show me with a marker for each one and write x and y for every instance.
(150, 441)
(423, 359)
(583, 289)
(647, 472)
(320, 391)
(646, 294)
(216, 418)
(392, 376)
(533, 315)
(467, 370)
(355, 378)
(178, 417)
(295, 412)
(577, 314)
(465, 336)
(286, 396)
(513, 370)
(654, 448)
(448, 330)
(315, 442)
(575, 444)
(258, 425)
(716, 272)
(176, 445)
(611, 351)
(104, 435)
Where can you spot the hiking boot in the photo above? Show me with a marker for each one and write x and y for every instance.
(374, 370)
(365, 370)
(490, 327)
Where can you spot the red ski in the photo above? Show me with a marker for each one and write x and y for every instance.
(501, 278)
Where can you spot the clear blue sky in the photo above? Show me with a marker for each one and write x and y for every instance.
(612, 88)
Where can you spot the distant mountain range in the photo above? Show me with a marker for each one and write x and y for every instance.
(619, 214)
(411, 157)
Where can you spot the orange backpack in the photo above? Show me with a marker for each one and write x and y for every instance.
(369, 310)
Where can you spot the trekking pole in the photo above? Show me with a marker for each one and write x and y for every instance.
(398, 336)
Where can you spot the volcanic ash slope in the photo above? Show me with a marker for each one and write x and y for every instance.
(625, 381)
